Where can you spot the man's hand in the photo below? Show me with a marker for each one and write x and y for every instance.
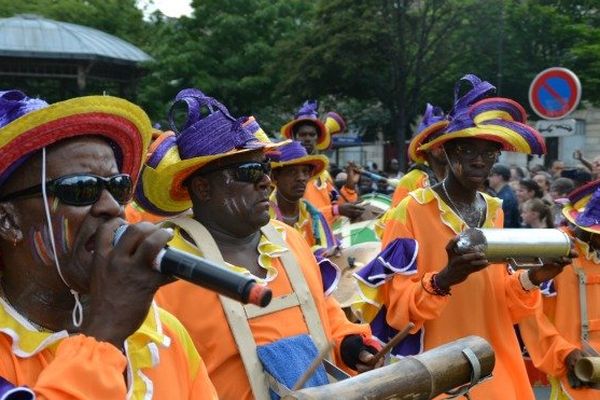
(459, 266)
(570, 362)
(577, 155)
(551, 268)
(350, 210)
(123, 282)
(365, 362)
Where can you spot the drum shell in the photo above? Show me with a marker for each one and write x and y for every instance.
(502, 244)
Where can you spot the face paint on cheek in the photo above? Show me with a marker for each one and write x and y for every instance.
(55, 203)
(39, 240)
(232, 206)
(65, 235)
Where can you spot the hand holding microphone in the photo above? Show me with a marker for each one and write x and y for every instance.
(207, 274)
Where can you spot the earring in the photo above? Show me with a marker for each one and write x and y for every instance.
(15, 242)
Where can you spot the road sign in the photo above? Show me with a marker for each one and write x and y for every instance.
(557, 128)
(554, 93)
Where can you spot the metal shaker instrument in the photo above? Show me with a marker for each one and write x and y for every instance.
(521, 248)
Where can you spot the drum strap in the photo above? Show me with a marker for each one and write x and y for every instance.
(583, 309)
(238, 314)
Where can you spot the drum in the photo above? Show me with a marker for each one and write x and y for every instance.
(349, 261)
(375, 205)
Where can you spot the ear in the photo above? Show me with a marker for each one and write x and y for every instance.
(10, 227)
(200, 188)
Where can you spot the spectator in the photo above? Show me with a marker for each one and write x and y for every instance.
(543, 179)
(536, 214)
(557, 168)
(498, 180)
(593, 166)
(527, 190)
(559, 190)
(579, 176)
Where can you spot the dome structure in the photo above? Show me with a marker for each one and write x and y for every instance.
(67, 54)
(29, 35)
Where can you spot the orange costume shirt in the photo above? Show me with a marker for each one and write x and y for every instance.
(487, 304)
(413, 180)
(552, 334)
(318, 193)
(201, 312)
(160, 361)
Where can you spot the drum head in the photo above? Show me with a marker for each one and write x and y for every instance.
(350, 261)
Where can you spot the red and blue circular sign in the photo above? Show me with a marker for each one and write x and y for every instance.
(555, 93)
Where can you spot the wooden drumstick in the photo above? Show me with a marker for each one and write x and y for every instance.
(390, 345)
(313, 366)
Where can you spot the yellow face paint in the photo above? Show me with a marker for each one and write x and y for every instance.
(55, 204)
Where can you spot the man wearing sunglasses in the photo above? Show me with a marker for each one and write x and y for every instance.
(216, 165)
(77, 318)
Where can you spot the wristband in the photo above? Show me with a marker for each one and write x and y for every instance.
(526, 283)
(432, 288)
(335, 209)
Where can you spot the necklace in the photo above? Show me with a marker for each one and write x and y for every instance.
(456, 209)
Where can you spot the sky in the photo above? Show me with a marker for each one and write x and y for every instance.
(171, 8)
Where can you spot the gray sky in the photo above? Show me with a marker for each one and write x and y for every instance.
(171, 8)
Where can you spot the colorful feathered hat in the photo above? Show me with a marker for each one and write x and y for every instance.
(209, 133)
(309, 112)
(434, 121)
(583, 208)
(334, 123)
(497, 119)
(28, 125)
(295, 154)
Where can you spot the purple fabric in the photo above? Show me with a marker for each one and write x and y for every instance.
(479, 90)
(330, 274)
(548, 288)
(524, 130)
(8, 391)
(15, 104)
(431, 116)
(500, 105)
(585, 190)
(399, 257)
(308, 110)
(161, 150)
(290, 152)
(338, 118)
(209, 128)
(411, 345)
(591, 214)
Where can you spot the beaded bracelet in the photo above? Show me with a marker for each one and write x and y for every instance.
(432, 288)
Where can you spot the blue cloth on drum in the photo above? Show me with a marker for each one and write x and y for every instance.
(287, 359)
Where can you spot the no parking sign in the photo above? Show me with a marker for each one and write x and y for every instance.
(554, 93)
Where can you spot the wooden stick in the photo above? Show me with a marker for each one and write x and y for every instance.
(313, 366)
(390, 345)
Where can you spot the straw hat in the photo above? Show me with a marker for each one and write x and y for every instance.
(31, 124)
(309, 113)
(583, 208)
(295, 154)
(496, 119)
(433, 121)
(209, 133)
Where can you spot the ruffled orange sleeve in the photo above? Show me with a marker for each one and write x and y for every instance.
(347, 195)
(83, 369)
(521, 303)
(545, 345)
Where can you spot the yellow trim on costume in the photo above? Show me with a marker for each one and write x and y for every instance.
(267, 252)
(141, 348)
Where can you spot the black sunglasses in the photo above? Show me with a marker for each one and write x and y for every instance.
(249, 172)
(80, 189)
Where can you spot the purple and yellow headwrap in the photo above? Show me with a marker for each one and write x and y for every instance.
(434, 121)
(209, 133)
(295, 154)
(583, 208)
(496, 119)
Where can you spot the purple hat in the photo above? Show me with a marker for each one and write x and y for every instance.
(496, 119)
(15, 104)
(295, 154)
(309, 112)
(208, 133)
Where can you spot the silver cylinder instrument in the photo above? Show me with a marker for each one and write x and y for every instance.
(521, 248)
